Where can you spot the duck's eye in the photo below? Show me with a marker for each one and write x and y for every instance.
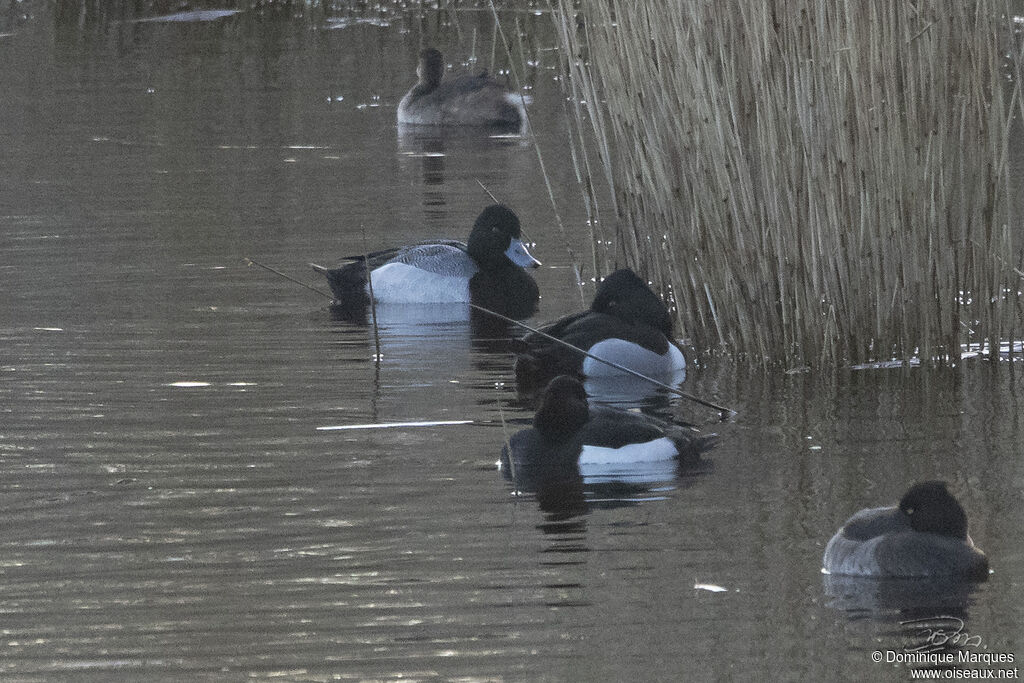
(909, 511)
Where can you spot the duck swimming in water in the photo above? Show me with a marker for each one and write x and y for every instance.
(569, 435)
(627, 324)
(488, 271)
(925, 536)
(463, 100)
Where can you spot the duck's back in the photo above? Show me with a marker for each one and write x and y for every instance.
(448, 258)
(463, 100)
(615, 428)
(879, 542)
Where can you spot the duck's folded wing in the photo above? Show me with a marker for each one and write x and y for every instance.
(443, 257)
(872, 522)
(555, 328)
(614, 428)
(540, 346)
(545, 356)
(599, 326)
(852, 550)
(449, 259)
(476, 100)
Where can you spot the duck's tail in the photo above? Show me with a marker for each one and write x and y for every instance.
(320, 269)
(704, 442)
(692, 446)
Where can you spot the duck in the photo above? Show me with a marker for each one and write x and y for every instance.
(924, 536)
(463, 100)
(489, 270)
(627, 324)
(570, 435)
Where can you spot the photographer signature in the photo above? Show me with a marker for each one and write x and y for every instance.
(941, 632)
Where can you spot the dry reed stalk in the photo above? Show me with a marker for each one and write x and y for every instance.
(499, 31)
(812, 182)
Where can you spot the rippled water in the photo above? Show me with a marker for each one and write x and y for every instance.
(174, 508)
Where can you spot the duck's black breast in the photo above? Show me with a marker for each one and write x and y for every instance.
(509, 291)
(535, 457)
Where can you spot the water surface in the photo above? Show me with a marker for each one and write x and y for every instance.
(173, 510)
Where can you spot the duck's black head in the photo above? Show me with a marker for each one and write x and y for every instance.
(933, 509)
(563, 410)
(624, 295)
(496, 240)
(431, 67)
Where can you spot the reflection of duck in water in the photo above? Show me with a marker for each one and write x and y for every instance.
(627, 324)
(900, 599)
(463, 100)
(487, 271)
(571, 440)
(925, 536)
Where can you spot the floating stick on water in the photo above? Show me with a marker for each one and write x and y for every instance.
(251, 262)
(373, 302)
(391, 425)
(489, 193)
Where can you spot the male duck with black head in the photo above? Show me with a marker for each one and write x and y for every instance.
(627, 324)
(924, 537)
(488, 270)
(463, 100)
(570, 435)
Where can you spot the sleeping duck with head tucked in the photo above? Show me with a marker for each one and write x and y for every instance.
(923, 537)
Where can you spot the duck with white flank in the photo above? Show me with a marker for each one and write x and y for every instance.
(571, 437)
(626, 324)
(487, 271)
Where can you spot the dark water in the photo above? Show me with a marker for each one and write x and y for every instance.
(172, 509)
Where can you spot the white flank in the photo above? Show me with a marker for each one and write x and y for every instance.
(634, 357)
(650, 451)
(400, 283)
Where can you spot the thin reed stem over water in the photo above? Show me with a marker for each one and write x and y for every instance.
(811, 183)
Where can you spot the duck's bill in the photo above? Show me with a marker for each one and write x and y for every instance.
(518, 254)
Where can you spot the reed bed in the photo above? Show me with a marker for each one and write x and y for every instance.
(812, 182)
